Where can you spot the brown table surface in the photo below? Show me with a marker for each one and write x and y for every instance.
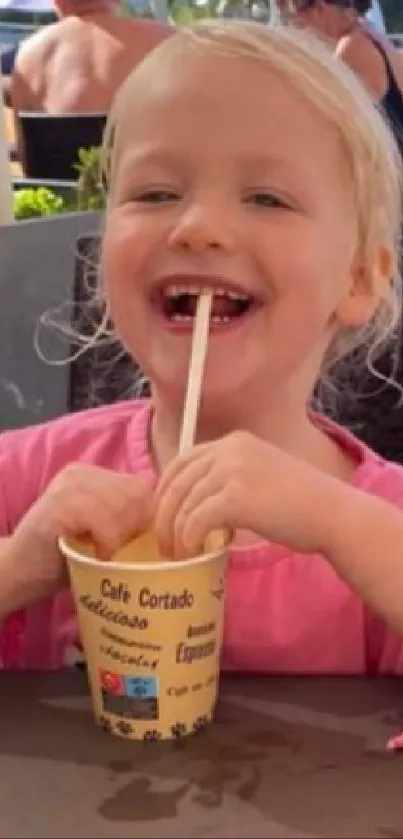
(286, 757)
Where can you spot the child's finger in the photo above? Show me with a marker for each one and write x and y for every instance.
(177, 466)
(98, 523)
(207, 486)
(173, 499)
(209, 515)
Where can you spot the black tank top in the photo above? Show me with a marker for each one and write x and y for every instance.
(391, 105)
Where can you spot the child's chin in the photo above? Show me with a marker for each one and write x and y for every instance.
(215, 388)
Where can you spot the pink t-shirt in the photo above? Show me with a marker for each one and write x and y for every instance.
(285, 612)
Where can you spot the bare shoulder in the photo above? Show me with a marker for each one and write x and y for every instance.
(359, 52)
(37, 45)
(357, 43)
(32, 56)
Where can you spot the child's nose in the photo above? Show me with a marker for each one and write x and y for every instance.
(203, 228)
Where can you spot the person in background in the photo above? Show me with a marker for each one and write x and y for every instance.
(78, 63)
(367, 51)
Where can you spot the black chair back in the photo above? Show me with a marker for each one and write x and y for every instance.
(52, 142)
(370, 404)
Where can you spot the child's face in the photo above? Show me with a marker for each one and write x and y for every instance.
(225, 177)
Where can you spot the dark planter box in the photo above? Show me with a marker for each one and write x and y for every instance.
(37, 259)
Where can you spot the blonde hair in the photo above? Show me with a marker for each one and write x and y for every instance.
(341, 101)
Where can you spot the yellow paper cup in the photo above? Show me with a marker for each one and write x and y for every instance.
(151, 631)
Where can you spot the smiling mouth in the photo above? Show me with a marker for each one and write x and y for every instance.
(179, 303)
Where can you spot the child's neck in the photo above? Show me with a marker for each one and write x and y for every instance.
(293, 432)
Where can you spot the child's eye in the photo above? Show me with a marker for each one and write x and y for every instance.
(156, 196)
(266, 199)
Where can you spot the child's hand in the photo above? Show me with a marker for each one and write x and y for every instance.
(240, 482)
(109, 507)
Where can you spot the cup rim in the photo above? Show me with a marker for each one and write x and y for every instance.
(164, 565)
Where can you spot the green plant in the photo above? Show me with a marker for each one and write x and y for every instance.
(40, 201)
(90, 192)
(182, 14)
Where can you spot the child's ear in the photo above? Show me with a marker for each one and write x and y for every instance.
(368, 288)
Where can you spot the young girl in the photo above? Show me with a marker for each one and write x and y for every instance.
(244, 160)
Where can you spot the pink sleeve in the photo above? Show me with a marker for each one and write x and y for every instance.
(4, 520)
(20, 474)
(384, 646)
(18, 490)
(12, 483)
(384, 657)
(390, 661)
(12, 628)
(28, 460)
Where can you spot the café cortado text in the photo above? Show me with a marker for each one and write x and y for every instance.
(114, 597)
(147, 598)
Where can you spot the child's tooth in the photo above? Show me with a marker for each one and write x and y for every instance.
(181, 318)
(177, 291)
(233, 295)
(173, 291)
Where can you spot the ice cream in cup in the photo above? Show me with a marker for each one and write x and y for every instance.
(151, 631)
